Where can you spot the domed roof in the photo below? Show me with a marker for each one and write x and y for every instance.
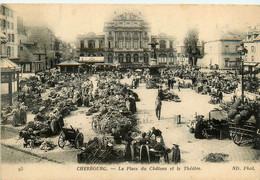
(128, 16)
(91, 35)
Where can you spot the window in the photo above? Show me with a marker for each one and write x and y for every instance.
(12, 37)
(146, 58)
(12, 25)
(110, 58)
(8, 24)
(4, 23)
(110, 33)
(171, 58)
(128, 58)
(128, 44)
(101, 44)
(21, 48)
(81, 44)
(120, 44)
(91, 44)
(135, 44)
(9, 37)
(3, 10)
(136, 58)
(171, 46)
(8, 50)
(145, 44)
(109, 44)
(120, 58)
(253, 58)
(162, 44)
(252, 49)
(226, 50)
(226, 62)
(39, 57)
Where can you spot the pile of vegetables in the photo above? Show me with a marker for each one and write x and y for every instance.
(170, 96)
(216, 157)
(241, 113)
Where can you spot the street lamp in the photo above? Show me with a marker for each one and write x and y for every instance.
(242, 51)
(153, 46)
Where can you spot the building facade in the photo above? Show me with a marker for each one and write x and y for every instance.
(8, 19)
(222, 52)
(252, 44)
(125, 43)
(45, 39)
(33, 57)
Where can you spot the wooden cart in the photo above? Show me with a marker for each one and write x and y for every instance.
(73, 136)
(243, 134)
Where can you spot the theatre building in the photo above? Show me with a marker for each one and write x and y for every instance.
(124, 43)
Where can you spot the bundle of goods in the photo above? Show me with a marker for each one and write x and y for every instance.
(216, 157)
(241, 113)
(170, 96)
(104, 123)
(47, 145)
(214, 99)
(39, 128)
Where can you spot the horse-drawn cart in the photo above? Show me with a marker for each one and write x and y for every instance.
(74, 137)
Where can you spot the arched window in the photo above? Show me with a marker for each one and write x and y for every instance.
(110, 58)
(146, 58)
(101, 54)
(136, 57)
(121, 58)
(91, 44)
(162, 58)
(128, 58)
(81, 54)
(162, 44)
(81, 44)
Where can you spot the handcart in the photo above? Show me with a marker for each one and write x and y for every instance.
(74, 137)
(243, 133)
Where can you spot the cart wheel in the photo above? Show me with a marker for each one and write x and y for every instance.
(79, 140)
(61, 140)
(237, 139)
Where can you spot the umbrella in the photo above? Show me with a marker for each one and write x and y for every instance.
(138, 70)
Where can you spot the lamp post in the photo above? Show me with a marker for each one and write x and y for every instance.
(242, 51)
(153, 46)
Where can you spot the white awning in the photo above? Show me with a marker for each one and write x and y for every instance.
(92, 59)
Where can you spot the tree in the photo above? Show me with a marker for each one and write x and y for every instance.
(191, 45)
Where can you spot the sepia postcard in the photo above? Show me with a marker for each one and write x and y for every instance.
(130, 91)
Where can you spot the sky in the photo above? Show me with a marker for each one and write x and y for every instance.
(69, 20)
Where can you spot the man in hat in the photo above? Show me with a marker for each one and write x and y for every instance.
(158, 106)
